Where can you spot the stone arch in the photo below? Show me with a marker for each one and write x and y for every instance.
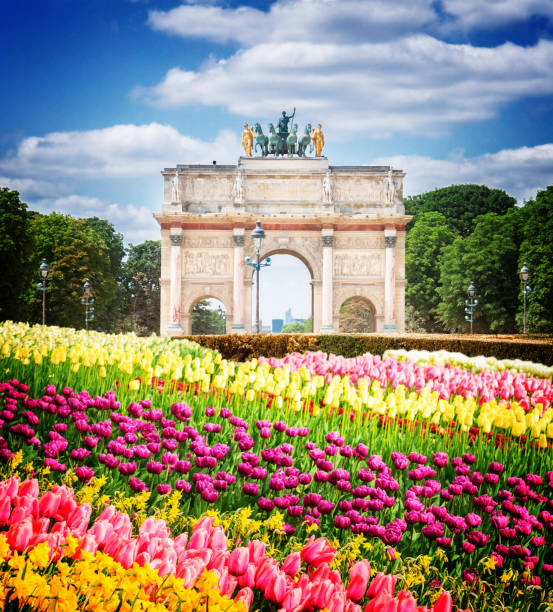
(357, 314)
(192, 298)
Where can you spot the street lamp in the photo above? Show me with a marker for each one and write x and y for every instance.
(524, 275)
(88, 302)
(257, 234)
(44, 270)
(470, 304)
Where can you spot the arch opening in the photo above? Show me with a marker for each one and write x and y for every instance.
(357, 316)
(285, 294)
(208, 316)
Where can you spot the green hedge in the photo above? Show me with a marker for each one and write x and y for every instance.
(240, 347)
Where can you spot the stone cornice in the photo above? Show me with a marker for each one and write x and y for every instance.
(247, 220)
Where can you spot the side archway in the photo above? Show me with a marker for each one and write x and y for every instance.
(208, 314)
(357, 315)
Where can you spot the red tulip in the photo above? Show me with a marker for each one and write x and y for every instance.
(406, 602)
(359, 577)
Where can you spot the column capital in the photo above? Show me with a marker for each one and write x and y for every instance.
(390, 241)
(176, 239)
(327, 240)
(239, 240)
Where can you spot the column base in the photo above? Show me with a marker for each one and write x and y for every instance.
(238, 329)
(390, 328)
(327, 329)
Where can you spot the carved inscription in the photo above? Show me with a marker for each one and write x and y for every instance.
(204, 262)
(375, 241)
(207, 242)
(358, 265)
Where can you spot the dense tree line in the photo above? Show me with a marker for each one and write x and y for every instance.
(458, 235)
(125, 281)
(470, 233)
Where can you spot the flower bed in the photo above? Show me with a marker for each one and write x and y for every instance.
(388, 464)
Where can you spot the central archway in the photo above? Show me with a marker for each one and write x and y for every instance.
(286, 292)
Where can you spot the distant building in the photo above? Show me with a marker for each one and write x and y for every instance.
(277, 325)
(288, 317)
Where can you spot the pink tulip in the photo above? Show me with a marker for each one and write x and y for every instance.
(292, 599)
(77, 522)
(87, 543)
(406, 602)
(337, 602)
(257, 551)
(248, 578)
(238, 561)
(317, 551)
(19, 534)
(382, 583)
(29, 487)
(443, 603)
(199, 539)
(245, 595)
(5, 509)
(11, 487)
(265, 572)
(18, 514)
(218, 539)
(277, 587)
(49, 503)
(359, 578)
(291, 564)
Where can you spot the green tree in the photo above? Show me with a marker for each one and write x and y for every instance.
(460, 204)
(356, 316)
(308, 325)
(424, 246)
(113, 242)
(488, 258)
(16, 249)
(208, 320)
(536, 250)
(140, 290)
(296, 327)
(74, 252)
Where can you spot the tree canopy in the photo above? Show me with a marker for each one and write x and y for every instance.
(140, 299)
(460, 205)
(207, 319)
(16, 255)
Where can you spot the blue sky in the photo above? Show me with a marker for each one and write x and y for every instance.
(100, 95)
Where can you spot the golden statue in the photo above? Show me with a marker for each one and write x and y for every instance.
(318, 139)
(247, 140)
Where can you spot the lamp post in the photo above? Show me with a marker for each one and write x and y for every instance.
(44, 270)
(257, 234)
(88, 302)
(470, 304)
(524, 275)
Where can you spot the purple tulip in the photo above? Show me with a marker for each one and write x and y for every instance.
(163, 488)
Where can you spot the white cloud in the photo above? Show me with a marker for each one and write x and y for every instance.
(475, 14)
(315, 21)
(415, 84)
(116, 151)
(134, 222)
(520, 172)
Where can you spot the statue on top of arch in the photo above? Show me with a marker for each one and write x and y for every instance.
(284, 139)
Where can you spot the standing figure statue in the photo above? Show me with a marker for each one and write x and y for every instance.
(283, 124)
(318, 140)
(247, 140)
(327, 188)
(238, 188)
(390, 186)
(175, 188)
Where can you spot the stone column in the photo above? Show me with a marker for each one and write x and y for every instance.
(238, 239)
(390, 239)
(327, 239)
(175, 283)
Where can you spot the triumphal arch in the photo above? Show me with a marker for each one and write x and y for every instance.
(345, 223)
